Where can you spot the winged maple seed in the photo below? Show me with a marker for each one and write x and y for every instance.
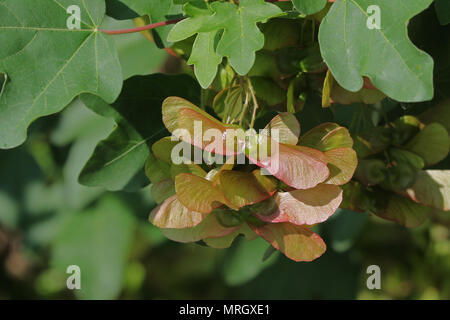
(277, 196)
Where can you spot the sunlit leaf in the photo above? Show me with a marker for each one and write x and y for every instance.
(404, 211)
(297, 166)
(172, 214)
(65, 62)
(287, 127)
(244, 188)
(296, 242)
(308, 206)
(327, 136)
(198, 194)
(210, 227)
(383, 53)
(342, 163)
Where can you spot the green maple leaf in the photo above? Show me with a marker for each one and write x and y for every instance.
(47, 64)
(241, 37)
(385, 55)
(204, 55)
(198, 11)
(205, 58)
(158, 11)
(309, 6)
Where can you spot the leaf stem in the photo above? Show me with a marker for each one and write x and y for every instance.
(142, 28)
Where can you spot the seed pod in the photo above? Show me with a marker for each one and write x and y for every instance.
(265, 208)
(400, 177)
(372, 142)
(407, 158)
(404, 129)
(371, 171)
(432, 143)
(313, 62)
(229, 102)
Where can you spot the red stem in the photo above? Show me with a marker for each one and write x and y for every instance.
(160, 24)
(143, 28)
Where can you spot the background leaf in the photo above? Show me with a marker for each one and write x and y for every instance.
(443, 11)
(97, 241)
(122, 155)
(64, 62)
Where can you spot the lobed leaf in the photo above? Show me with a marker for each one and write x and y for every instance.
(287, 126)
(241, 37)
(382, 53)
(48, 65)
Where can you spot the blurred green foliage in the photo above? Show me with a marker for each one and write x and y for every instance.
(49, 221)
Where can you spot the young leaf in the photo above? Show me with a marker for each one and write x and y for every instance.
(205, 58)
(241, 38)
(383, 53)
(204, 55)
(48, 64)
(244, 188)
(197, 11)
